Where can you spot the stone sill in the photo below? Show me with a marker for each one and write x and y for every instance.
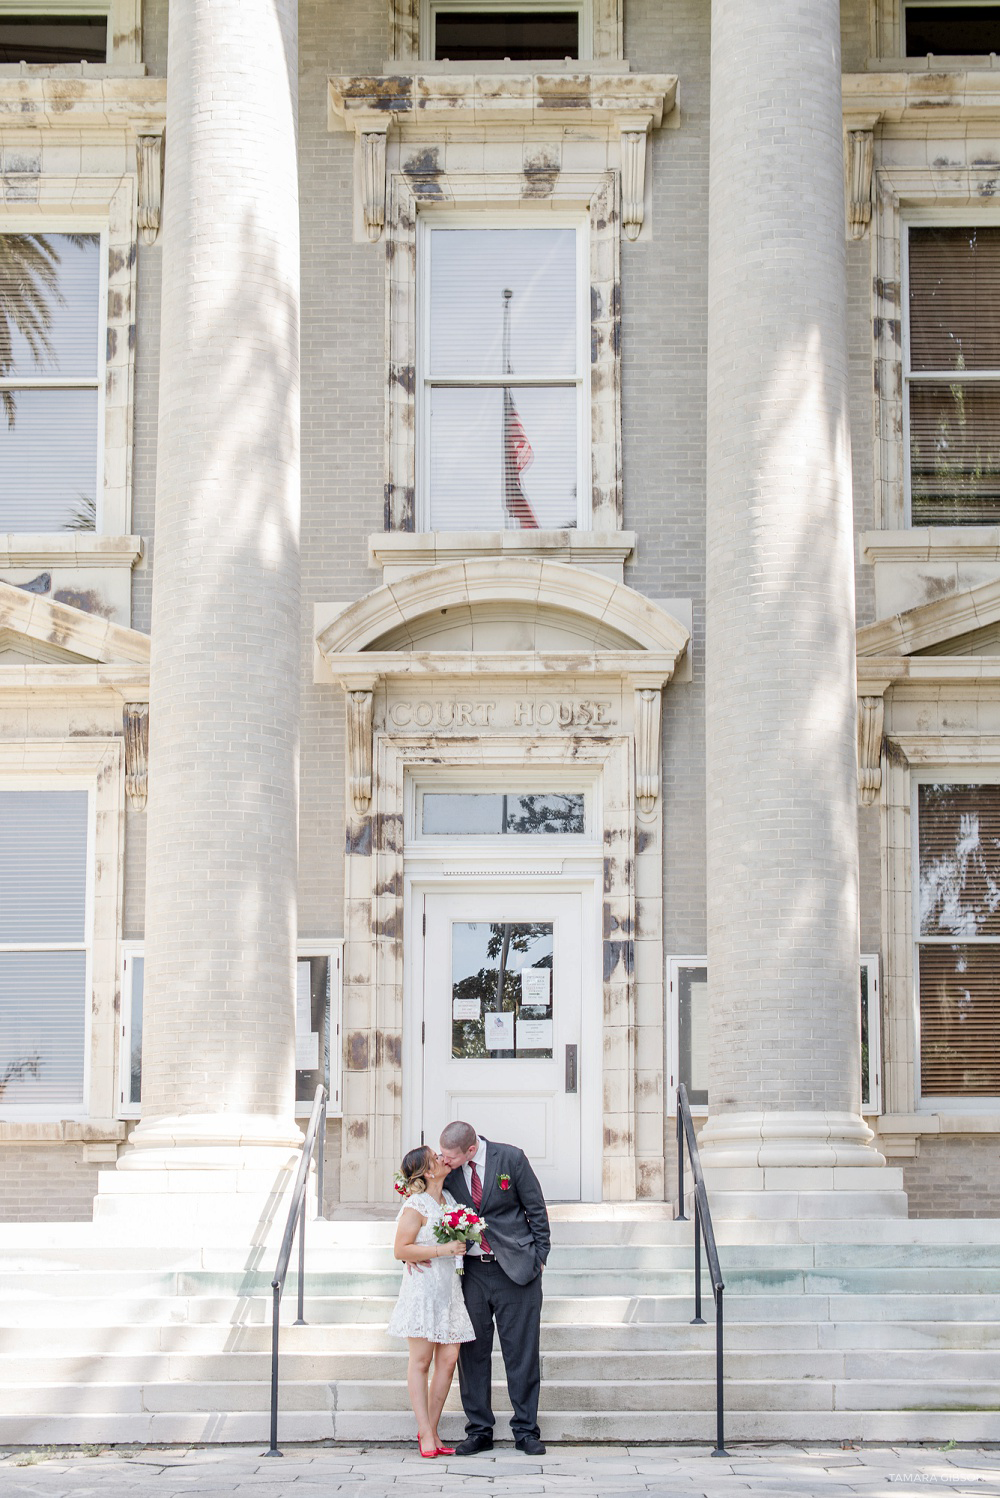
(85, 548)
(401, 553)
(84, 1131)
(950, 62)
(624, 100)
(71, 103)
(131, 682)
(72, 70)
(603, 66)
(935, 543)
(922, 99)
(938, 1123)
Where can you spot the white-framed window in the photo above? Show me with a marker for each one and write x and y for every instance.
(130, 1035)
(951, 28)
(957, 939)
(54, 33)
(951, 369)
(319, 1005)
(53, 335)
(46, 924)
(506, 30)
(318, 1019)
(688, 1033)
(503, 387)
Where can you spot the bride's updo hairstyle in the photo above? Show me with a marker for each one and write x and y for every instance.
(411, 1178)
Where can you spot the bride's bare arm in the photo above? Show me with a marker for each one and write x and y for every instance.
(408, 1251)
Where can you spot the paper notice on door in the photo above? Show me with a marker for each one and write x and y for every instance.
(307, 1051)
(466, 1009)
(499, 1030)
(536, 986)
(534, 1035)
(303, 998)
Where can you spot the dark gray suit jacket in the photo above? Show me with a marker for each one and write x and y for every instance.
(517, 1224)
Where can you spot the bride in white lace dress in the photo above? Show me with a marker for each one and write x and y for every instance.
(430, 1311)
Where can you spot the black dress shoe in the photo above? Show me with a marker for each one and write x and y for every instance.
(531, 1446)
(472, 1445)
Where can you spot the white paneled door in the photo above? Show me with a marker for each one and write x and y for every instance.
(502, 975)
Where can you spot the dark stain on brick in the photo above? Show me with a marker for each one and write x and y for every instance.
(616, 336)
(596, 304)
(612, 923)
(389, 832)
(404, 376)
(894, 754)
(40, 584)
(616, 299)
(645, 840)
(423, 163)
(356, 1050)
(387, 493)
(596, 342)
(886, 291)
(358, 1129)
(392, 927)
(391, 886)
(609, 875)
(394, 1050)
(358, 838)
(407, 514)
(618, 954)
(89, 602)
(112, 343)
(131, 337)
(383, 92)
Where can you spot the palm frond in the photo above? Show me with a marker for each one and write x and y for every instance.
(29, 289)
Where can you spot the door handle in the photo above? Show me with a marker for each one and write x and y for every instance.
(571, 1068)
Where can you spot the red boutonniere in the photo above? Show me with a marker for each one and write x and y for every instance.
(503, 1182)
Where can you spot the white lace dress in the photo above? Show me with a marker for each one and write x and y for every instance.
(431, 1303)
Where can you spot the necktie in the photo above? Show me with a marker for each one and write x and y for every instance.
(477, 1200)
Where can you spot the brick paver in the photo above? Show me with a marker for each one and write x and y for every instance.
(378, 1472)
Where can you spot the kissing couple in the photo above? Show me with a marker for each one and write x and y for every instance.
(447, 1310)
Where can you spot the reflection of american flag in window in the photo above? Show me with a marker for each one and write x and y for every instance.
(517, 456)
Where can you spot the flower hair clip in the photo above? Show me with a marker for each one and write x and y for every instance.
(408, 1185)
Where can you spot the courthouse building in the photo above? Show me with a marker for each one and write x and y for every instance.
(499, 589)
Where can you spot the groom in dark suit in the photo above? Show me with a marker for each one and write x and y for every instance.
(502, 1282)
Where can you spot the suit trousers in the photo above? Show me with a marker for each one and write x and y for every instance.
(492, 1296)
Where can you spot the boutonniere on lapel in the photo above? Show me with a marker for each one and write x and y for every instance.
(503, 1181)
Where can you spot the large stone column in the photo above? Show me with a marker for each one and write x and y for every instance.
(218, 1036)
(781, 761)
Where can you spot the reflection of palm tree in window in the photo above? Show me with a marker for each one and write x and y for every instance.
(29, 290)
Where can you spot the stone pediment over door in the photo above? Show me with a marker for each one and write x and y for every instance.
(476, 648)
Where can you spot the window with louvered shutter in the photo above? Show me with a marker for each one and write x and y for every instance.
(958, 953)
(51, 364)
(43, 950)
(952, 374)
(502, 371)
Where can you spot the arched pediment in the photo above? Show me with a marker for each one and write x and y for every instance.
(522, 607)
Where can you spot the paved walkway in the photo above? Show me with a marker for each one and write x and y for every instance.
(367, 1472)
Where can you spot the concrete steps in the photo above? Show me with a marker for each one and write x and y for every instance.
(890, 1332)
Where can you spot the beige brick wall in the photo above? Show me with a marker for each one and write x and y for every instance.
(46, 1183)
(955, 1175)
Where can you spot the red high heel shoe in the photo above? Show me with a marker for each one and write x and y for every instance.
(445, 1451)
(429, 1455)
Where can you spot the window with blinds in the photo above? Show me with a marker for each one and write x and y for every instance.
(502, 379)
(952, 375)
(43, 950)
(958, 949)
(50, 375)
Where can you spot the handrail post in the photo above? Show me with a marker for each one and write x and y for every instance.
(698, 1319)
(275, 1317)
(681, 1216)
(300, 1320)
(321, 1164)
(720, 1434)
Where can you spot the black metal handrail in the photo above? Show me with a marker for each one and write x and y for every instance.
(315, 1136)
(703, 1229)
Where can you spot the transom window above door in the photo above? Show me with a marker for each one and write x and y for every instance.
(45, 38)
(486, 31)
(951, 30)
(503, 418)
(952, 374)
(501, 814)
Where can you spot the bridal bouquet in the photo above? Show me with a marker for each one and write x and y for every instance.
(461, 1225)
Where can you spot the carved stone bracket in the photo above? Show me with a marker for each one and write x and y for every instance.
(648, 717)
(871, 722)
(135, 720)
(359, 745)
(149, 157)
(633, 144)
(371, 149)
(860, 159)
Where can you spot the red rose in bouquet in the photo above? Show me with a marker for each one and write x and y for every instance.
(460, 1225)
